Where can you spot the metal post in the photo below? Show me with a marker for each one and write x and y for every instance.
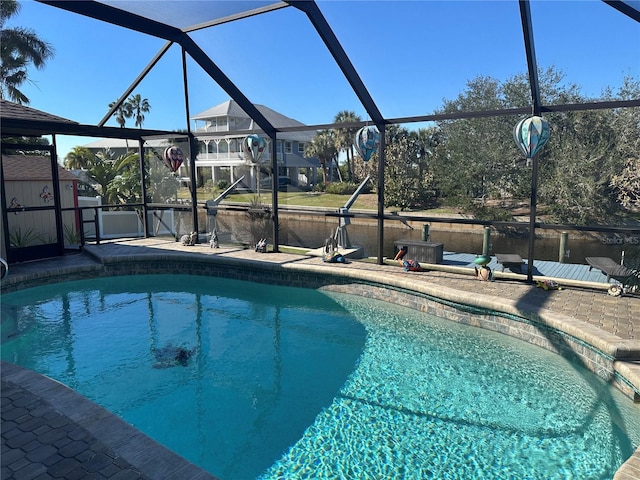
(193, 148)
(563, 254)
(143, 184)
(55, 179)
(486, 241)
(534, 84)
(274, 193)
(425, 232)
(381, 157)
(532, 217)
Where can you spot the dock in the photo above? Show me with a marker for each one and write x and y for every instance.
(541, 268)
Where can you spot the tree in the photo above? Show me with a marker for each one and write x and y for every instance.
(626, 181)
(125, 187)
(322, 147)
(103, 170)
(477, 158)
(162, 184)
(138, 107)
(123, 112)
(576, 168)
(78, 158)
(408, 179)
(19, 49)
(134, 106)
(427, 141)
(344, 137)
(626, 185)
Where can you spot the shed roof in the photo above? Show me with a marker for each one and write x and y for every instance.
(31, 167)
(14, 111)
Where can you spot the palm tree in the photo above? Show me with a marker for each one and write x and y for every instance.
(125, 187)
(139, 106)
(103, 171)
(123, 112)
(79, 157)
(426, 141)
(344, 136)
(322, 147)
(19, 48)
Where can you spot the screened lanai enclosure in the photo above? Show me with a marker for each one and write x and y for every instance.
(515, 151)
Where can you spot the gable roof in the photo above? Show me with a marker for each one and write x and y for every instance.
(31, 167)
(231, 109)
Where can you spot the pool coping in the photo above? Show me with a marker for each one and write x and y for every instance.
(243, 264)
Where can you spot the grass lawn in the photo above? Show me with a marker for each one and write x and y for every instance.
(310, 199)
(298, 198)
(365, 201)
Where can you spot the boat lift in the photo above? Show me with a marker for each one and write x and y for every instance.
(341, 236)
(212, 211)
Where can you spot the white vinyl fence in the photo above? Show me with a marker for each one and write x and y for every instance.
(124, 223)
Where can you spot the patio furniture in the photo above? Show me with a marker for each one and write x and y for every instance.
(512, 261)
(426, 252)
(609, 267)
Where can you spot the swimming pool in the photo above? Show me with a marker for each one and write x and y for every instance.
(283, 382)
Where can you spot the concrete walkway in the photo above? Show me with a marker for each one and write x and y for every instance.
(47, 435)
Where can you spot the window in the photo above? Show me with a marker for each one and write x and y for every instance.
(301, 146)
(288, 147)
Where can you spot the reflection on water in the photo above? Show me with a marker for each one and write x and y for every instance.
(311, 232)
(296, 383)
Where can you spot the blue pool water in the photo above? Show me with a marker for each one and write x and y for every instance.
(289, 383)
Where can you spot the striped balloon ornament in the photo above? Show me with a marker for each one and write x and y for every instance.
(531, 134)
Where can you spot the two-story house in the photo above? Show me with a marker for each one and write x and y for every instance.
(222, 154)
(220, 131)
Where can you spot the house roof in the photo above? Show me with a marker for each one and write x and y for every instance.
(31, 167)
(226, 109)
(20, 120)
(231, 109)
(15, 111)
(112, 143)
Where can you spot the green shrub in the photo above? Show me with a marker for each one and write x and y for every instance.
(71, 237)
(19, 239)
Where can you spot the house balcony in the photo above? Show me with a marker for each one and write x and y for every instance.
(228, 159)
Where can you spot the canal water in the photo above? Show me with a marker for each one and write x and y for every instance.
(311, 232)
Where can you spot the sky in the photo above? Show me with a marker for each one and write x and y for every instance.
(411, 55)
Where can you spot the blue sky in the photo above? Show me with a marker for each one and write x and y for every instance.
(411, 55)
